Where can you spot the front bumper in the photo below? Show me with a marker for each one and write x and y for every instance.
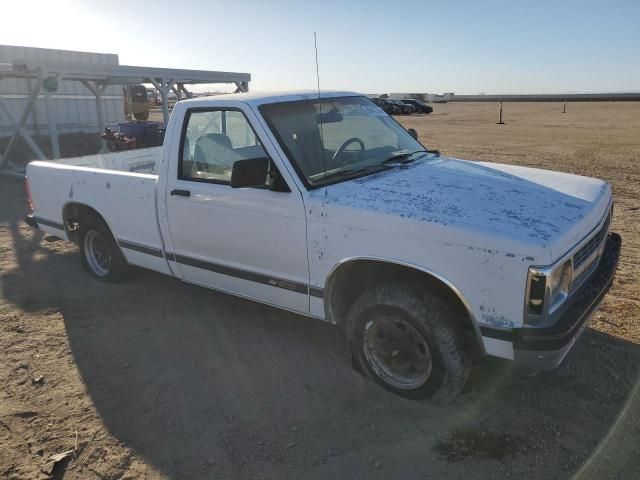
(545, 348)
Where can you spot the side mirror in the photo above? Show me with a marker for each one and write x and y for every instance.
(250, 173)
(413, 133)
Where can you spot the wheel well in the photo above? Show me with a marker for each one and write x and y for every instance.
(73, 214)
(351, 279)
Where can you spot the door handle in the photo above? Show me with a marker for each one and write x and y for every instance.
(182, 193)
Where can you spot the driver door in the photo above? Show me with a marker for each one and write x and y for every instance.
(246, 241)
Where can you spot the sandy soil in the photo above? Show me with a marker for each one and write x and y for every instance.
(159, 379)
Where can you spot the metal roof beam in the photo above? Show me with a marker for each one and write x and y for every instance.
(120, 73)
(96, 77)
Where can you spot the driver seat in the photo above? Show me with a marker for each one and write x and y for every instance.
(212, 151)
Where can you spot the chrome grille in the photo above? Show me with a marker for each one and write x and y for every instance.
(577, 281)
(591, 246)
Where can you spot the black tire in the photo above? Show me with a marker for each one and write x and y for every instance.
(423, 314)
(94, 231)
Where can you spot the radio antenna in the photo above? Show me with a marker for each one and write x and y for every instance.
(322, 155)
(315, 45)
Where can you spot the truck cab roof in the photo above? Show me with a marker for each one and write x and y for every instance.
(261, 98)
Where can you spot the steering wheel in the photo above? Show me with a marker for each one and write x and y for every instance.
(344, 146)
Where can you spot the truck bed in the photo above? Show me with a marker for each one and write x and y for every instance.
(112, 184)
(138, 161)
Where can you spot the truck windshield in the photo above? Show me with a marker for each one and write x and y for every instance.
(337, 139)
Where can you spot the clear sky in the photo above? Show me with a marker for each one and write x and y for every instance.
(530, 46)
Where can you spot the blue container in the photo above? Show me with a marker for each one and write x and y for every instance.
(145, 133)
(132, 129)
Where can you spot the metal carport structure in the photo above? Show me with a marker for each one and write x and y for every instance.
(96, 78)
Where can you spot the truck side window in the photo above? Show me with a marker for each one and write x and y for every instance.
(212, 141)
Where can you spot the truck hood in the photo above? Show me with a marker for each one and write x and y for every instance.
(539, 213)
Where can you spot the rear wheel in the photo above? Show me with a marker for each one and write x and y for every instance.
(402, 338)
(100, 253)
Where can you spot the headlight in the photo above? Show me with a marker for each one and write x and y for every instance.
(548, 289)
(537, 291)
(559, 283)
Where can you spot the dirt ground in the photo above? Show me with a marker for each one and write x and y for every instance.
(158, 379)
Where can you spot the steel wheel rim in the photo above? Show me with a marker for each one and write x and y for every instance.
(397, 352)
(96, 253)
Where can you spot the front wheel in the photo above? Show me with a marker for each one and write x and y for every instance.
(402, 338)
(100, 253)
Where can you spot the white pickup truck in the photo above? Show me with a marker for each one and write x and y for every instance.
(324, 205)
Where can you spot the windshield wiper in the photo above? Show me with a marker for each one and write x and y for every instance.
(353, 171)
(402, 157)
(384, 165)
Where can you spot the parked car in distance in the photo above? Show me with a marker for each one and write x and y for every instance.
(389, 107)
(321, 204)
(421, 107)
(403, 107)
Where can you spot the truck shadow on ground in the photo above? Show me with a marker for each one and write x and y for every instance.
(196, 381)
(203, 384)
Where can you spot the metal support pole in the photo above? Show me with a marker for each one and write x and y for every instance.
(36, 126)
(163, 85)
(242, 87)
(33, 95)
(177, 91)
(129, 103)
(500, 122)
(98, 88)
(100, 112)
(186, 92)
(52, 126)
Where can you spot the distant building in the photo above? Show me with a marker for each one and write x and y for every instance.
(436, 98)
(73, 107)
